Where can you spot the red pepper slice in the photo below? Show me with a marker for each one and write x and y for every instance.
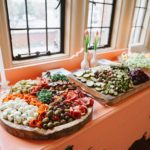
(75, 113)
(71, 95)
(83, 109)
(88, 101)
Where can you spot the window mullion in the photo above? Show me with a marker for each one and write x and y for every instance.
(102, 20)
(111, 21)
(139, 26)
(91, 20)
(46, 26)
(10, 36)
(27, 21)
(101, 13)
(62, 23)
(132, 40)
(143, 21)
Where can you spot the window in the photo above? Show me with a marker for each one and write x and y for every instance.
(138, 21)
(36, 27)
(100, 18)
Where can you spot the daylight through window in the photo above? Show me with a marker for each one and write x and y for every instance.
(100, 18)
(138, 20)
(36, 27)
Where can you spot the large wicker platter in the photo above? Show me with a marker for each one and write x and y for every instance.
(36, 133)
(108, 99)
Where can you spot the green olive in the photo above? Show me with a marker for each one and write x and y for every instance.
(57, 112)
(50, 113)
(59, 109)
(50, 125)
(56, 123)
(67, 110)
(70, 119)
(55, 107)
(62, 121)
(50, 107)
(45, 120)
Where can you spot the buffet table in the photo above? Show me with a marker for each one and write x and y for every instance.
(113, 128)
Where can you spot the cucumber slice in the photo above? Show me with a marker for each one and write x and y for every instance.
(105, 92)
(83, 80)
(111, 91)
(89, 83)
(79, 73)
(98, 84)
(87, 71)
(79, 78)
(93, 79)
(112, 86)
(98, 89)
(115, 93)
(92, 74)
(86, 75)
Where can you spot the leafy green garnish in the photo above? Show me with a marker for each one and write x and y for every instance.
(45, 96)
(57, 77)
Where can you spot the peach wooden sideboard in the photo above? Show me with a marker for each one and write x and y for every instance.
(112, 128)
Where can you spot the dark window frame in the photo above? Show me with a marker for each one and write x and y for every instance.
(101, 27)
(61, 3)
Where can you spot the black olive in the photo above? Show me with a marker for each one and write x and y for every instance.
(66, 117)
(61, 115)
(45, 126)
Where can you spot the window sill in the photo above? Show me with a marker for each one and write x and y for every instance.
(106, 50)
(108, 53)
(39, 60)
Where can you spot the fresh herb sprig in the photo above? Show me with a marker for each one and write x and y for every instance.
(45, 96)
(57, 77)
